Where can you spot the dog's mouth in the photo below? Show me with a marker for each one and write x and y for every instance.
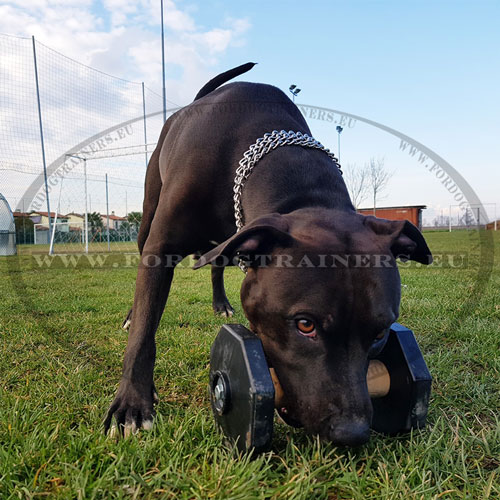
(280, 401)
(284, 415)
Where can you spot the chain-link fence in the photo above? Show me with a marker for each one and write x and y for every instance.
(92, 133)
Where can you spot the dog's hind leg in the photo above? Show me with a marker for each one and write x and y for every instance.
(220, 302)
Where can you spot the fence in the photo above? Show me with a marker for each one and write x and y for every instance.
(91, 133)
(469, 217)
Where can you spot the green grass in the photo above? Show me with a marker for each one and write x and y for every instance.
(61, 352)
(115, 246)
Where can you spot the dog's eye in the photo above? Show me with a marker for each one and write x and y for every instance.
(306, 327)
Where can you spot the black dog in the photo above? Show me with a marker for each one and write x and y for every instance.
(330, 286)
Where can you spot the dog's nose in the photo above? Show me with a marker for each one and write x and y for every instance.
(350, 434)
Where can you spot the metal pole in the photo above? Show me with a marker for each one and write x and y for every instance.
(449, 222)
(41, 133)
(86, 207)
(145, 131)
(495, 216)
(86, 227)
(51, 248)
(24, 223)
(339, 131)
(107, 212)
(163, 67)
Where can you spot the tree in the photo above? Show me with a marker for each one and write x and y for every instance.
(357, 182)
(95, 222)
(379, 178)
(467, 219)
(441, 221)
(24, 229)
(124, 231)
(134, 219)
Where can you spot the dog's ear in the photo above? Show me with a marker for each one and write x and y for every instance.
(406, 241)
(257, 238)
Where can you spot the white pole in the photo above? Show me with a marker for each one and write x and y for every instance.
(107, 212)
(164, 93)
(144, 121)
(86, 207)
(51, 249)
(495, 216)
(41, 132)
(449, 222)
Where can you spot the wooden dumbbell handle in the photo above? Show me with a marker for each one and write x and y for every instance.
(377, 379)
(278, 390)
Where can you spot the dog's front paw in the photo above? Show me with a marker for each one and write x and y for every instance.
(127, 321)
(131, 410)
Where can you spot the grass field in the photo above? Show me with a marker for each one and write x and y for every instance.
(115, 246)
(61, 352)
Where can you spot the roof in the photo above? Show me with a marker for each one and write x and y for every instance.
(44, 214)
(103, 216)
(394, 208)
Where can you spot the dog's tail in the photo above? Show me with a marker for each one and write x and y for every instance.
(223, 78)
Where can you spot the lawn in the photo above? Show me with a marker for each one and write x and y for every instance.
(61, 354)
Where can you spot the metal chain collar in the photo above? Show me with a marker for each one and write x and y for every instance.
(256, 151)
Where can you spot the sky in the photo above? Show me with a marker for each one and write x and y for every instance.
(428, 69)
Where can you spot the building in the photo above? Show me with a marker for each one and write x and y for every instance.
(76, 222)
(75, 218)
(494, 225)
(7, 229)
(413, 213)
(42, 217)
(115, 221)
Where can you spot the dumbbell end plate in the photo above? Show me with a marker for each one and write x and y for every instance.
(246, 416)
(406, 405)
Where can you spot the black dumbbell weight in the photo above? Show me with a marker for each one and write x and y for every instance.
(243, 393)
(241, 389)
(403, 402)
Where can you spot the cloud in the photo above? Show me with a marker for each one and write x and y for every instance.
(122, 37)
(117, 37)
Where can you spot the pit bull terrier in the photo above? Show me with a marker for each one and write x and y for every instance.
(328, 288)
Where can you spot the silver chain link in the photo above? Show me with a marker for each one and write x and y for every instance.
(256, 151)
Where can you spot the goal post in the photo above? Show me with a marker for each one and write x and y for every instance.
(65, 233)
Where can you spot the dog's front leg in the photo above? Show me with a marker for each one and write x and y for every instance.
(132, 407)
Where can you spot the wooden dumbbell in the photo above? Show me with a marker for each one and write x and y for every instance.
(244, 390)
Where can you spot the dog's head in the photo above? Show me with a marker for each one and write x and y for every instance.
(322, 288)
